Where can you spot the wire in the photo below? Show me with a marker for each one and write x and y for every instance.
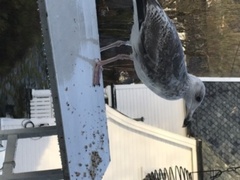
(26, 123)
(169, 174)
(218, 172)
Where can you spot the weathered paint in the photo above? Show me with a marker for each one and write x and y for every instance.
(72, 47)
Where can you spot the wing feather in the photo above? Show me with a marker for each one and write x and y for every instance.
(160, 45)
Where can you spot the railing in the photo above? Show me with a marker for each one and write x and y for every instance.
(12, 137)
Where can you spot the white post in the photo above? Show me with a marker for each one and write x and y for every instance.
(9, 162)
(72, 46)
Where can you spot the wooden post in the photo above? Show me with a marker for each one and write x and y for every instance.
(72, 45)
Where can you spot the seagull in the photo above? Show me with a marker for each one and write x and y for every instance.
(158, 57)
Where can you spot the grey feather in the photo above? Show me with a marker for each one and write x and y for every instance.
(159, 58)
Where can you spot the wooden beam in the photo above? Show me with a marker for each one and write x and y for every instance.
(71, 44)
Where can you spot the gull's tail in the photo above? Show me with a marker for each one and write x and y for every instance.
(139, 7)
(154, 2)
(139, 10)
(139, 15)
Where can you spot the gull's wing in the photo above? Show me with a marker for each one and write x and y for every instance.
(160, 46)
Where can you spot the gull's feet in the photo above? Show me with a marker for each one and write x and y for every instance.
(97, 73)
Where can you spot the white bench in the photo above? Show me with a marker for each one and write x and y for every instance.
(41, 105)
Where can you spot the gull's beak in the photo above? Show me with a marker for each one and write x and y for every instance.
(187, 120)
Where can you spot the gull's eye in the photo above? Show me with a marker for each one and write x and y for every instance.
(198, 98)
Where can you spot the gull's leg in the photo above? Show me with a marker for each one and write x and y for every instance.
(99, 64)
(115, 44)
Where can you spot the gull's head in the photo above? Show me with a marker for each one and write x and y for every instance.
(193, 97)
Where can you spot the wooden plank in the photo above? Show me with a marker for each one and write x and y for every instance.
(43, 100)
(40, 103)
(72, 46)
(41, 93)
(41, 111)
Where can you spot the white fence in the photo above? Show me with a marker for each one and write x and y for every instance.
(136, 101)
(137, 149)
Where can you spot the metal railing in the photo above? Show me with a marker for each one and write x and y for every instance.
(12, 137)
